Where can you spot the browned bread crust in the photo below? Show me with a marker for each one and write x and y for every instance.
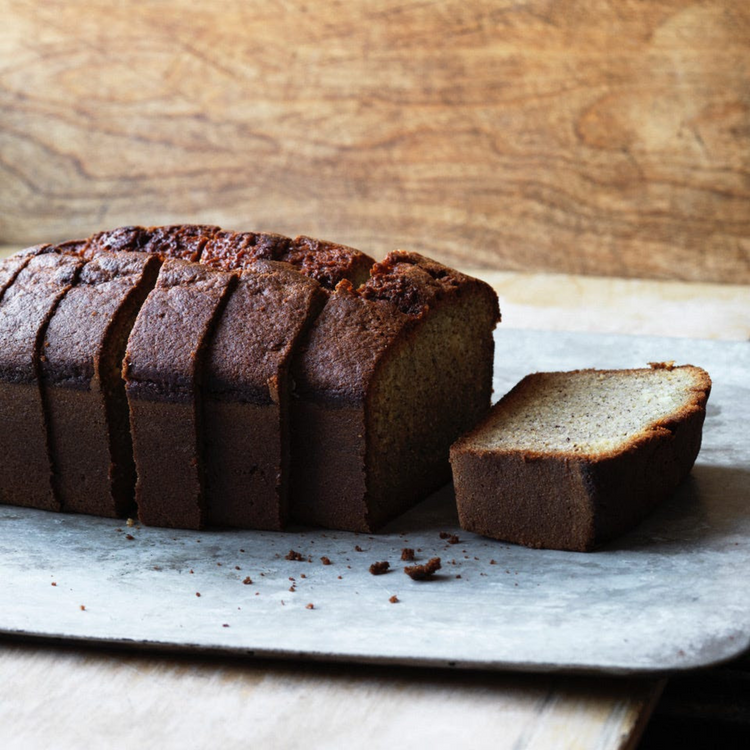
(516, 482)
(326, 262)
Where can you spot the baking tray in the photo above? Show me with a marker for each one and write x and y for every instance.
(673, 594)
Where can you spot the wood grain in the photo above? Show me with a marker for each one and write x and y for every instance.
(72, 698)
(607, 137)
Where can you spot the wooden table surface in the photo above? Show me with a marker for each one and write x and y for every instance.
(65, 696)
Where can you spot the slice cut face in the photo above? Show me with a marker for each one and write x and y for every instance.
(567, 460)
(87, 410)
(25, 310)
(163, 370)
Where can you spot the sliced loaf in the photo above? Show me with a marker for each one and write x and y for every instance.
(568, 460)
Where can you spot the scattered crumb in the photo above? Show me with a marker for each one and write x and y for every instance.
(297, 556)
(458, 575)
(53, 584)
(393, 599)
(129, 537)
(242, 550)
(83, 607)
(130, 522)
(302, 575)
(197, 593)
(422, 572)
(247, 580)
(445, 535)
(453, 539)
(225, 625)
(378, 568)
(237, 567)
(219, 564)
(407, 554)
(325, 560)
(492, 562)
(310, 606)
(340, 578)
(191, 570)
(291, 578)
(118, 530)
(357, 548)
(157, 567)
(293, 588)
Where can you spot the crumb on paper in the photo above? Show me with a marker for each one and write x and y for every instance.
(326, 560)
(197, 593)
(83, 607)
(294, 555)
(130, 522)
(407, 554)
(378, 568)
(53, 583)
(357, 548)
(423, 572)
(453, 539)
(310, 606)
(247, 580)
(129, 537)
(393, 599)
(225, 625)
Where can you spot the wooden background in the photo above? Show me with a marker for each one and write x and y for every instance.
(578, 136)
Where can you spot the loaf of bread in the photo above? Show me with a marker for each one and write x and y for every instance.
(568, 460)
(183, 368)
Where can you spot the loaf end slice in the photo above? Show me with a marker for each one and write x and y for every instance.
(390, 375)
(569, 460)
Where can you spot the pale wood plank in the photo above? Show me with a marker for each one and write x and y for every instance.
(74, 698)
(570, 136)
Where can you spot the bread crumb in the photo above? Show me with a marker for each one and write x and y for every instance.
(130, 522)
(444, 534)
(423, 572)
(197, 593)
(407, 554)
(83, 607)
(53, 584)
(310, 606)
(492, 562)
(225, 625)
(393, 599)
(357, 548)
(325, 560)
(453, 539)
(247, 580)
(378, 568)
(129, 537)
(293, 555)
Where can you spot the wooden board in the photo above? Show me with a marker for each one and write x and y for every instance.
(608, 137)
(69, 698)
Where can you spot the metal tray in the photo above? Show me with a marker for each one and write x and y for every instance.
(673, 594)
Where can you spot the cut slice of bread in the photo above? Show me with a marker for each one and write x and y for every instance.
(568, 460)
